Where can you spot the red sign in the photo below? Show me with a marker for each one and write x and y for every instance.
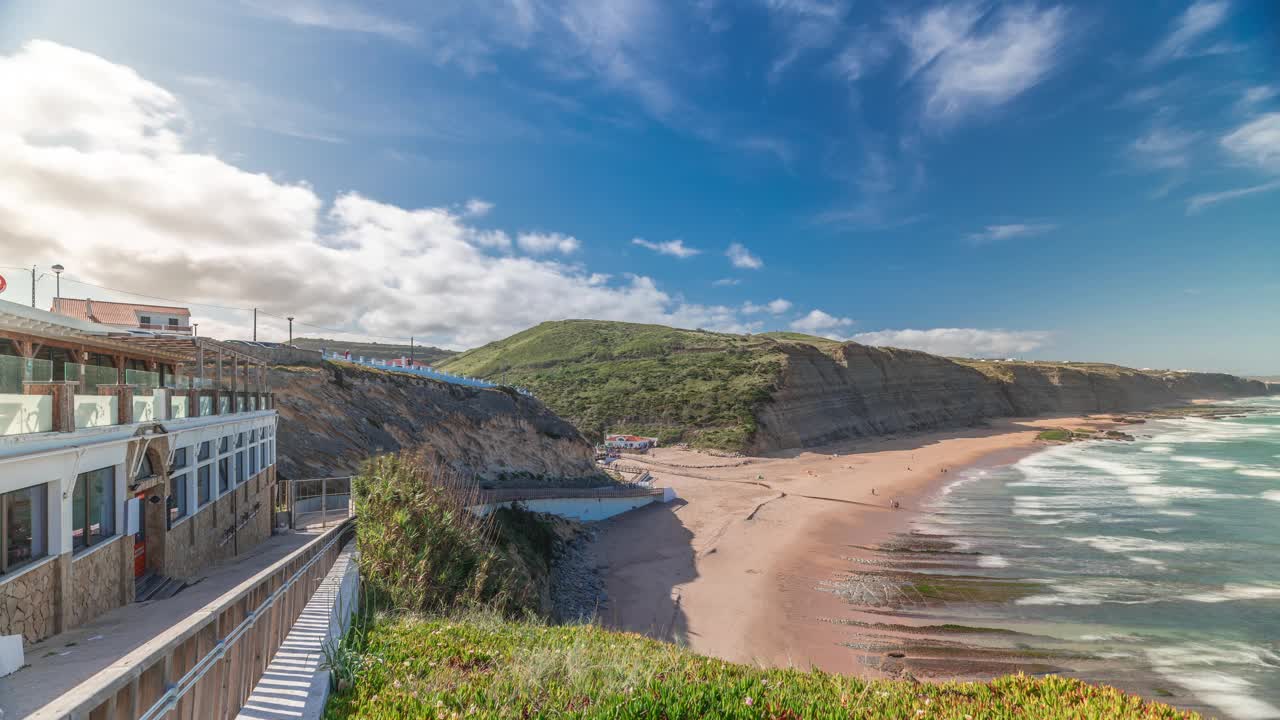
(3, 284)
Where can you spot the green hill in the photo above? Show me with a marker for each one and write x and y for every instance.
(678, 385)
(377, 351)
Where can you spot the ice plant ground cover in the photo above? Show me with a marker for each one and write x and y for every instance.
(480, 665)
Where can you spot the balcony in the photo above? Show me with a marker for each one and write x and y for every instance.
(178, 329)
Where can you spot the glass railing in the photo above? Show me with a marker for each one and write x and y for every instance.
(148, 408)
(178, 382)
(240, 403)
(90, 376)
(145, 382)
(206, 406)
(21, 413)
(179, 407)
(224, 404)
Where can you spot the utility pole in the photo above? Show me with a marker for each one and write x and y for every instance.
(410, 351)
(290, 329)
(195, 332)
(33, 286)
(57, 272)
(255, 324)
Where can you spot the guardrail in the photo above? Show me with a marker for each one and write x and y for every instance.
(207, 665)
(485, 497)
(426, 372)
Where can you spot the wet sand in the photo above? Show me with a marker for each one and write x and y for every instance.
(751, 563)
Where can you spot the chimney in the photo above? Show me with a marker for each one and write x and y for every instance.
(88, 309)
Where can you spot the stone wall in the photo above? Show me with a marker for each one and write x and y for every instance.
(101, 580)
(28, 602)
(220, 530)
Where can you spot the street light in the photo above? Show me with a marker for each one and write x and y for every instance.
(57, 271)
(195, 329)
(290, 329)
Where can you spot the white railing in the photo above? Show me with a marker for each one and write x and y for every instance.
(427, 372)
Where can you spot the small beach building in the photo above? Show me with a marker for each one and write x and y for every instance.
(124, 460)
(630, 442)
(163, 319)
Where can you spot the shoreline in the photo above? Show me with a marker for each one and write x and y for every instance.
(743, 566)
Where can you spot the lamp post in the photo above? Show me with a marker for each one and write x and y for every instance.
(195, 329)
(57, 272)
(290, 329)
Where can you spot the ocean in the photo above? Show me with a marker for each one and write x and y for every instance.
(1159, 557)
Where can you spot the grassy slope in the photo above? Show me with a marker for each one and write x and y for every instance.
(482, 666)
(678, 385)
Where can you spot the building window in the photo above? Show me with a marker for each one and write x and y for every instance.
(145, 319)
(173, 322)
(240, 476)
(240, 440)
(253, 460)
(224, 474)
(145, 469)
(177, 500)
(203, 483)
(23, 514)
(93, 508)
(262, 449)
(179, 459)
(224, 444)
(204, 451)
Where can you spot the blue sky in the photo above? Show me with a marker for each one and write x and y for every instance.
(1079, 180)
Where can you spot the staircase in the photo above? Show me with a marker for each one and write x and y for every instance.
(156, 587)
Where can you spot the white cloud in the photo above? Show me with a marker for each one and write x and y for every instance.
(1258, 94)
(475, 207)
(726, 282)
(996, 233)
(805, 26)
(865, 52)
(1256, 142)
(959, 342)
(336, 16)
(820, 323)
(543, 243)
(674, 248)
(773, 307)
(1204, 200)
(99, 176)
(1198, 19)
(966, 66)
(740, 257)
(1164, 148)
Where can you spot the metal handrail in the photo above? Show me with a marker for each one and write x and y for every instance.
(209, 661)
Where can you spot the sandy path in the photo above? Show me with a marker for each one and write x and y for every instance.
(733, 567)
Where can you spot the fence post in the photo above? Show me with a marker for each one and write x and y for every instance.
(293, 504)
(324, 502)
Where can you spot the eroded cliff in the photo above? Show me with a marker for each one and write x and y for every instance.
(834, 393)
(334, 416)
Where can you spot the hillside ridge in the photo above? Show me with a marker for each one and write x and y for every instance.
(782, 390)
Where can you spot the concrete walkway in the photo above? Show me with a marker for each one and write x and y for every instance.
(59, 663)
(294, 687)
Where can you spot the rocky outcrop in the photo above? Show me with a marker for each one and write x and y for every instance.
(333, 416)
(856, 390)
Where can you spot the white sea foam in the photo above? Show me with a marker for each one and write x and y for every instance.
(992, 561)
(1207, 463)
(1236, 591)
(1146, 561)
(1229, 693)
(1177, 513)
(1158, 449)
(1259, 473)
(1118, 544)
(1272, 495)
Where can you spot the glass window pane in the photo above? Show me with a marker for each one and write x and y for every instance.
(202, 483)
(179, 458)
(240, 468)
(224, 475)
(78, 508)
(204, 451)
(177, 500)
(24, 525)
(93, 514)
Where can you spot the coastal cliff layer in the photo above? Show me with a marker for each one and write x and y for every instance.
(335, 415)
(776, 391)
(830, 394)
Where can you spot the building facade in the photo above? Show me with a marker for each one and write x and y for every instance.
(123, 460)
(163, 319)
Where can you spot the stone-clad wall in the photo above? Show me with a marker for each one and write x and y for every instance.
(205, 538)
(28, 603)
(101, 580)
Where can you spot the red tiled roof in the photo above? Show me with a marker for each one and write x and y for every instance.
(111, 313)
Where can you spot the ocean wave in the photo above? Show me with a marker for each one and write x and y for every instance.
(1235, 591)
(1120, 544)
(1259, 473)
(1231, 694)
(1146, 561)
(1177, 513)
(1207, 463)
(992, 561)
(1158, 449)
(1272, 495)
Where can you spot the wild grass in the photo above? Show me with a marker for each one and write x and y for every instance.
(482, 665)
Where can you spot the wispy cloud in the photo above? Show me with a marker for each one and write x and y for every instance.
(1257, 142)
(726, 282)
(1195, 22)
(966, 66)
(996, 233)
(1257, 95)
(740, 257)
(1164, 147)
(959, 342)
(821, 323)
(674, 248)
(475, 207)
(773, 307)
(336, 16)
(1199, 202)
(805, 26)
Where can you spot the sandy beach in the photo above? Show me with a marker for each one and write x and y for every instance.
(736, 567)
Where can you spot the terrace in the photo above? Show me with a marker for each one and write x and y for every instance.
(61, 375)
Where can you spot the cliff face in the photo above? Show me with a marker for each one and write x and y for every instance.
(857, 391)
(332, 417)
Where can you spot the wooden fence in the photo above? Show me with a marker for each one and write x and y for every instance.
(207, 665)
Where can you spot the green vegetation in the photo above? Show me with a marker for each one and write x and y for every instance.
(422, 550)
(677, 385)
(481, 665)
(1055, 435)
